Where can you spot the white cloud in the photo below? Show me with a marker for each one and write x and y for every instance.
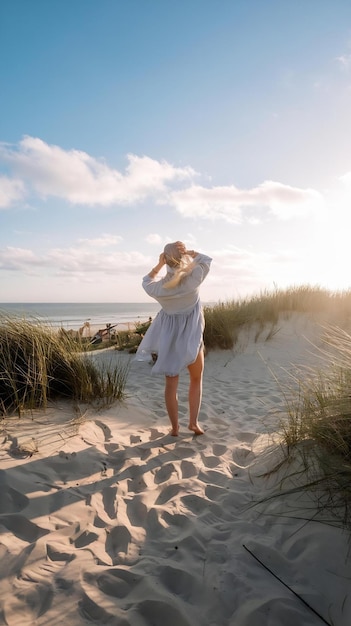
(346, 179)
(210, 203)
(344, 60)
(18, 258)
(153, 239)
(11, 190)
(83, 260)
(237, 272)
(235, 261)
(229, 203)
(151, 174)
(104, 241)
(81, 179)
(287, 202)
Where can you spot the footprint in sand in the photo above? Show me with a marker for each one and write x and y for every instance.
(181, 452)
(168, 493)
(213, 492)
(106, 502)
(136, 485)
(54, 554)
(28, 599)
(85, 539)
(181, 584)
(136, 511)
(210, 461)
(106, 600)
(213, 477)
(23, 528)
(188, 469)
(99, 522)
(95, 608)
(164, 473)
(177, 520)
(195, 504)
(117, 582)
(159, 613)
(242, 456)
(11, 500)
(219, 449)
(117, 542)
(109, 499)
(153, 525)
(246, 436)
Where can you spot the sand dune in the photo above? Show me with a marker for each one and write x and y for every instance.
(106, 519)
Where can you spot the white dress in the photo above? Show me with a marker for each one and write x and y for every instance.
(175, 334)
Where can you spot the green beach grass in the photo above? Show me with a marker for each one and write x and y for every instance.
(316, 431)
(38, 365)
(225, 320)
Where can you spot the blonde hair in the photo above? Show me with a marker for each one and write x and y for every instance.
(182, 264)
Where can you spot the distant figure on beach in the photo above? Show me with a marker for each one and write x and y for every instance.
(141, 329)
(175, 336)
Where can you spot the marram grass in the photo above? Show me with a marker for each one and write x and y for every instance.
(317, 430)
(224, 320)
(38, 365)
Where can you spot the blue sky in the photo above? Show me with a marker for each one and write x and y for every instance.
(128, 124)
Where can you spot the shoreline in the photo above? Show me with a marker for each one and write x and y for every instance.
(74, 316)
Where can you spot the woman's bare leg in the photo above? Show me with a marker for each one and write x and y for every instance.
(171, 399)
(195, 392)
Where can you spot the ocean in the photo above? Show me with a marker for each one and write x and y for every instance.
(73, 315)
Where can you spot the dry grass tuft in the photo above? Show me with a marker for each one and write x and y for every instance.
(317, 430)
(224, 320)
(37, 365)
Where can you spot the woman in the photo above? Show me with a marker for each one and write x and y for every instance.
(176, 334)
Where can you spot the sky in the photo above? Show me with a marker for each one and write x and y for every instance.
(128, 124)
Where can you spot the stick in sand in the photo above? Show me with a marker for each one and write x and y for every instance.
(287, 586)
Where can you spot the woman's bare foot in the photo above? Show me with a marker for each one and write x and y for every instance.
(196, 429)
(173, 432)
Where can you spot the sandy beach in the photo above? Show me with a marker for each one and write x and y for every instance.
(107, 519)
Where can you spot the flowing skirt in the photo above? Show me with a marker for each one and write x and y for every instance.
(175, 338)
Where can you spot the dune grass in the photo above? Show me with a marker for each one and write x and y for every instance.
(38, 365)
(317, 430)
(223, 321)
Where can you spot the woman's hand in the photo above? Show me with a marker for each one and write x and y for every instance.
(181, 247)
(161, 262)
(191, 253)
